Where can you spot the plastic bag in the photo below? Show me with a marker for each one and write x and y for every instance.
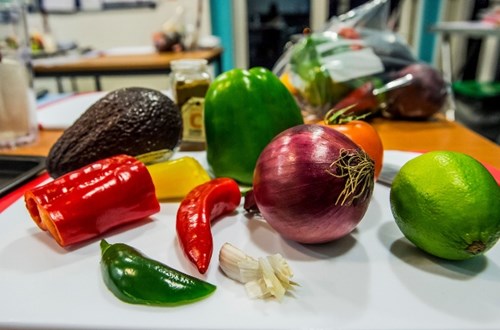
(353, 49)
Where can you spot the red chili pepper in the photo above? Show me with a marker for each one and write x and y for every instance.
(360, 101)
(89, 201)
(203, 204)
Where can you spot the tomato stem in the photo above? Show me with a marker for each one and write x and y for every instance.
(341, 116)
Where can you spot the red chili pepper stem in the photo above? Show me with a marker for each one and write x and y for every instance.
(202, 205)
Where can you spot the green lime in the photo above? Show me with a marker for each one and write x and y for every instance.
(447, 204)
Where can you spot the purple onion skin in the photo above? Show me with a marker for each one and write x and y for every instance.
(295, 192)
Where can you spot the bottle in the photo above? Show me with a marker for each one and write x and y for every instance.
(18, 123)
(190, 82)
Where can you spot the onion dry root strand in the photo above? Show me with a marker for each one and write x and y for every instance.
(357, 167)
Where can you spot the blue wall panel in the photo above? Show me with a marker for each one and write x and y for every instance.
(222, 27)
(431, 13)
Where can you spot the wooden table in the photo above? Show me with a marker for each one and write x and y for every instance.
(115, 65)
(436, 134)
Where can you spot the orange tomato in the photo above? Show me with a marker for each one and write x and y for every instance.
(365, 136)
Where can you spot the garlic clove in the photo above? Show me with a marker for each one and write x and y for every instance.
(263, 278)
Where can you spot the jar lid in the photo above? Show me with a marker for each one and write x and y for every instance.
(188, 64)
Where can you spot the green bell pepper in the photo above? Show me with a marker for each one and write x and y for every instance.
(244, 111)
(136, 279)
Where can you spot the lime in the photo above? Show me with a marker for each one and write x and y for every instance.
(447, 204)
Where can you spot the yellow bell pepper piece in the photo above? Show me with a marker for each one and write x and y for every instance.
(176, 178)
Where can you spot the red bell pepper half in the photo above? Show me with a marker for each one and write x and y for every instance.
(202, 205)
(87, 202)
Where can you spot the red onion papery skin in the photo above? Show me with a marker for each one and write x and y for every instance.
(295, 192)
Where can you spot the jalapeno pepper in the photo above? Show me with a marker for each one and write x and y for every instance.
(176, 178)
(87, 202)
(137, 279)
(203, 204)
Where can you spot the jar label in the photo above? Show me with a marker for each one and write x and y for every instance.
(192, 117)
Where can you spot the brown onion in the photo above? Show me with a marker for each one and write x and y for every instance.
(313, 184)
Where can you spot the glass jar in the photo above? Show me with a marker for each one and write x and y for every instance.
(190, 82)
(18, 124)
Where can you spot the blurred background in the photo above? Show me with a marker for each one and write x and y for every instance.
(255, 33)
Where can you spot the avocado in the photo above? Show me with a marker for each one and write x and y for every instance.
(130, 121)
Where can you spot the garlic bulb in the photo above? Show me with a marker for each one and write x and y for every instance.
(263, 277)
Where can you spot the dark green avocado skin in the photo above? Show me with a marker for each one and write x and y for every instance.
(130, 121)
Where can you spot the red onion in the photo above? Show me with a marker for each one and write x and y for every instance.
(312, 184)
(424, 96)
